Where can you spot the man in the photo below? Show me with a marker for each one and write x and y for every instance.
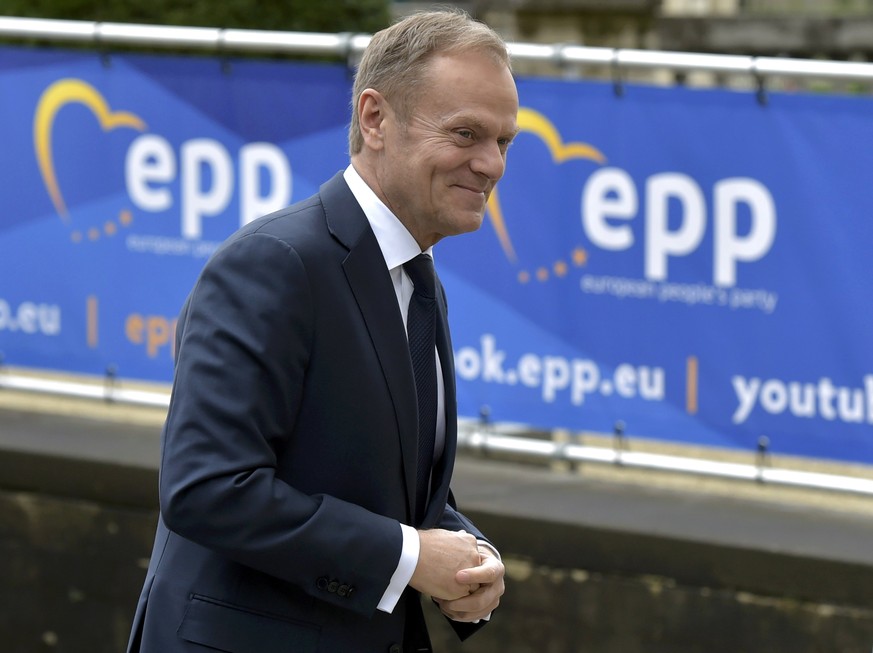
(293, 517)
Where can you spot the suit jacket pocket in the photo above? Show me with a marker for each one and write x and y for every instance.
(235, 629)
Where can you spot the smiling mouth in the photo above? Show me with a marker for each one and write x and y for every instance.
(478, 191)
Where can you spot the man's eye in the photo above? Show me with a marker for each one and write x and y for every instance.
(465, 133)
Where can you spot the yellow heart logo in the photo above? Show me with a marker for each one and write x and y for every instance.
(537, 124)
(53, 99)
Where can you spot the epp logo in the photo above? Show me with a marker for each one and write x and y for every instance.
(610, 199)
(204, 168)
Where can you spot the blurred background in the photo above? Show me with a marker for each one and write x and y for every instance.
(661, 333)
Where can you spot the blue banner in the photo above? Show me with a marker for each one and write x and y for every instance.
(690, 262)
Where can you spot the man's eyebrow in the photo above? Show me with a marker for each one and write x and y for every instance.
(469, 120)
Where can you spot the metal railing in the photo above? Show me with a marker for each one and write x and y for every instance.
(481, 438)
(110, 391)
(486, 442)
(349, 46)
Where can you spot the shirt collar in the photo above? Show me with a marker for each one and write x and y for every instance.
(397, 244)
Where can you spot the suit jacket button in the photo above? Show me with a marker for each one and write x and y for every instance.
(343, 590)
(321, 583)
(395, 648)
(332, 586)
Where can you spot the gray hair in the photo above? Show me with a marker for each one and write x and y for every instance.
(395, 62)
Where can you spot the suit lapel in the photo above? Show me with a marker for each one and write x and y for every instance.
(371, 285)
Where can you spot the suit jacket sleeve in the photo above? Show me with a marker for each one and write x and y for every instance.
(243, 349)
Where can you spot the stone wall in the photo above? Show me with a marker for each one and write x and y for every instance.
(72, 570)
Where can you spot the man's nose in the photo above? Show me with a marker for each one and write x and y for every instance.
(489, 161)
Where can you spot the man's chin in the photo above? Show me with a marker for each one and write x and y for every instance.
(471, 223)
(462, 224)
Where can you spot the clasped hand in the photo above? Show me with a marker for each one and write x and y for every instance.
(464, 579)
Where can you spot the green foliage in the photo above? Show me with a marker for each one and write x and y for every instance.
(292, 15)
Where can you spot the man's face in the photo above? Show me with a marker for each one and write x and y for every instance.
(438, 169)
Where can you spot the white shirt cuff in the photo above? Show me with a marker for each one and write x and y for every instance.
(405, 568)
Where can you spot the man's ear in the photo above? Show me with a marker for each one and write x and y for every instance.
(372, 111)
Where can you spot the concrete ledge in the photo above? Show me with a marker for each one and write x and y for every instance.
(685, 562)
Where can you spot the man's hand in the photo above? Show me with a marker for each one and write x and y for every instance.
(443, 557)
(486, 583)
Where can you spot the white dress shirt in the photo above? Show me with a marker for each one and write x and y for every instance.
(398, 246)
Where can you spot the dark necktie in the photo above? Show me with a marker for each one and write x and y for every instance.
(421, 330)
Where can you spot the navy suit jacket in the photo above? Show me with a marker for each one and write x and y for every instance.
(289, 450)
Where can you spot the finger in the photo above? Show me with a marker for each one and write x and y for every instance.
(449, 602)
(460, 606)
(468, 616)
(486, 573)
(456, 614)
(480, 603)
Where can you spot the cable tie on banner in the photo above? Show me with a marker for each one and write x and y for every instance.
(109, 382)
(615, 68)
(346, 51)
(619, 442)
(484, 416)
(559, 453)
(484, 429)
(762, 457)
(221, 48)
(579, 439)
(559, 58)
(760, 84)
(100, 45)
